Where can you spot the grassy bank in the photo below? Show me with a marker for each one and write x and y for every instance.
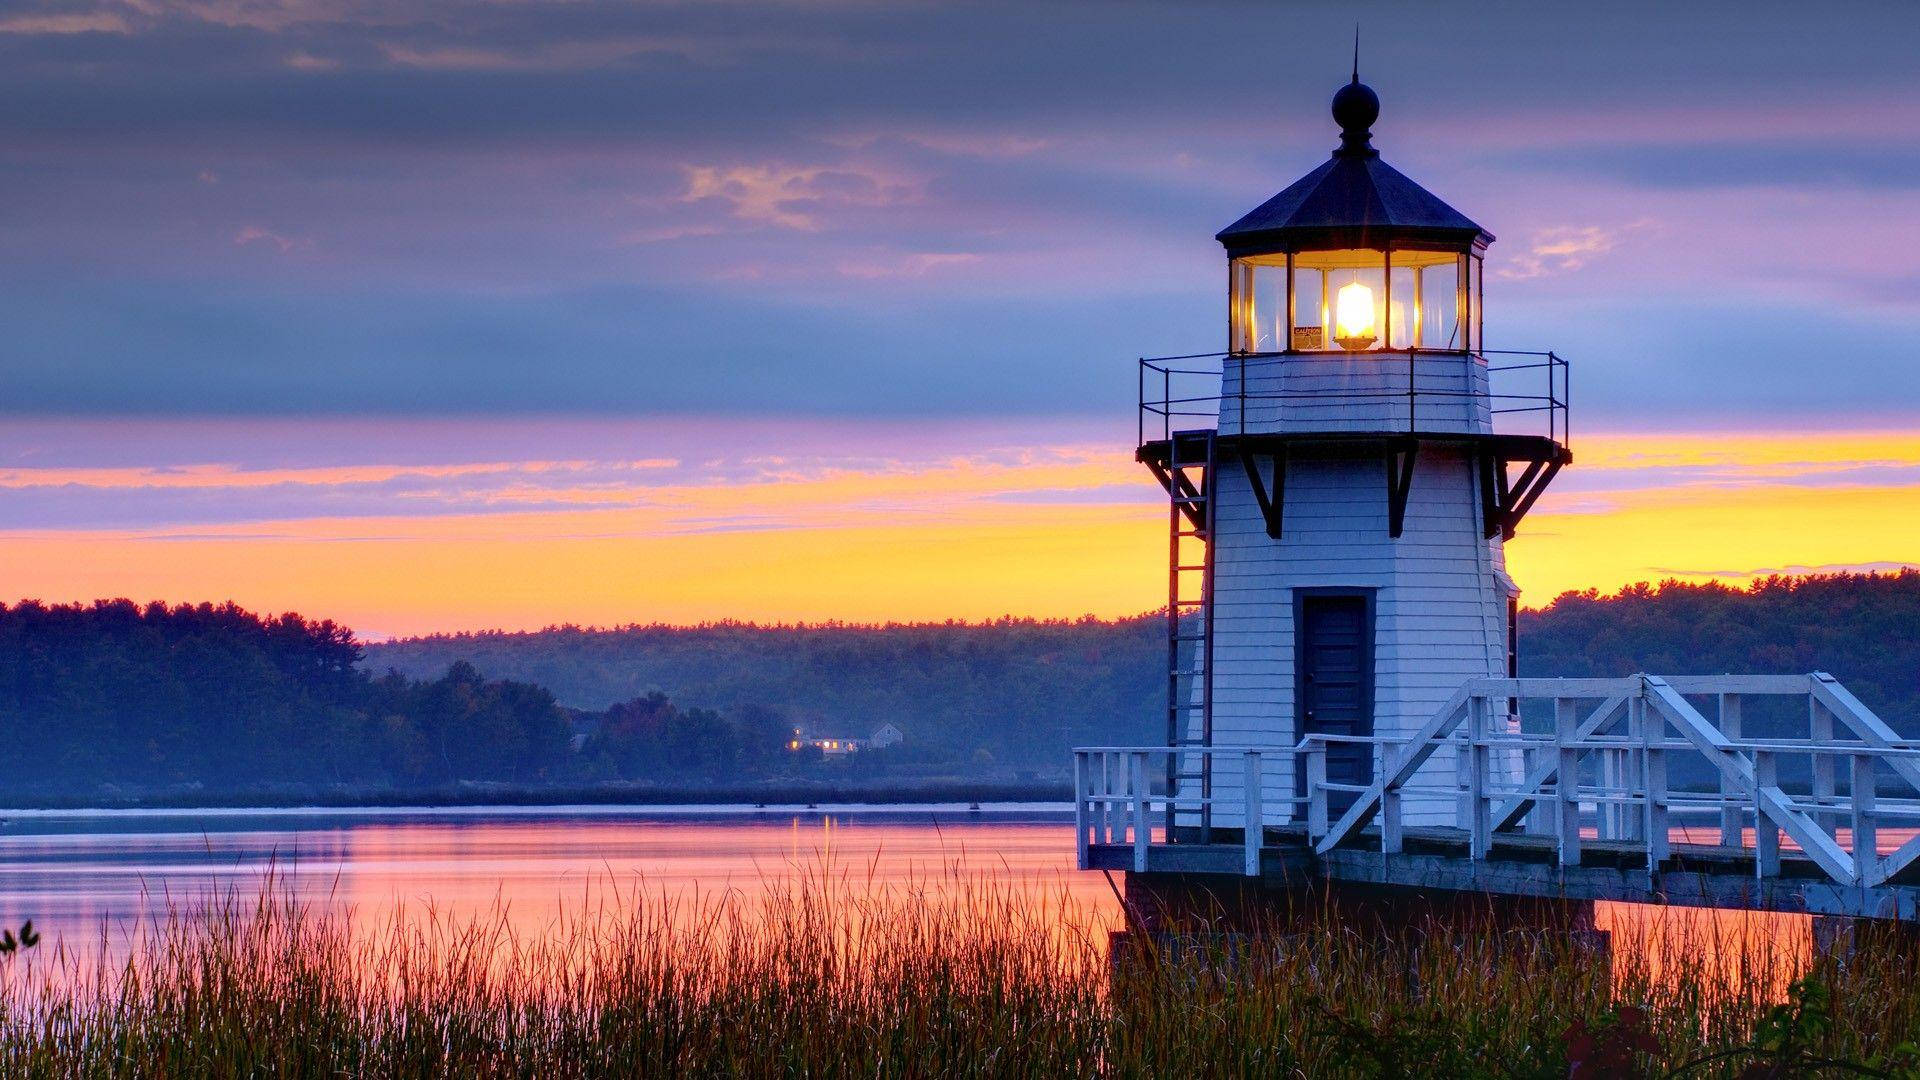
(816, 980)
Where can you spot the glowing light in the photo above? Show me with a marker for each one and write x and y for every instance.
(1353, 316)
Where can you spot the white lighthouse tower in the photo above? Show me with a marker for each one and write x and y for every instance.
(1343, 480)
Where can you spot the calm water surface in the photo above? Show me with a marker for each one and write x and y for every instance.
(80, 875)
(75, 872)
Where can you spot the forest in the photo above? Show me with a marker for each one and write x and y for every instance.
(116, 700)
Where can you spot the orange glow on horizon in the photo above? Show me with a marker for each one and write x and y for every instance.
(1061, 532)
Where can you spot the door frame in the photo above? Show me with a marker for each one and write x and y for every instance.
(1367, 595)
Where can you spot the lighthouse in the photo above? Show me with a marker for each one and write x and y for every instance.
(1342, 481)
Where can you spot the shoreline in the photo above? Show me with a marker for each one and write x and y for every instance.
(605, 798)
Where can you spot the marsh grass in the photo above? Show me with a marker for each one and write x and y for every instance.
(821, 976)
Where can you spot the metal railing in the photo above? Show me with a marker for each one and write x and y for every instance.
(1600, 773)
(1527, 392)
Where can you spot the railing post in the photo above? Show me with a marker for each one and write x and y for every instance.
(1653, 773)
(1732, 820)
(1142, 803)
(1480, 820)
(1317, 790)
(1080, 825)
(1820, 730)
(1413, 420)
(1866, 831)
(1392, 832)
(1566, 724)
(1254, 828)
(1766, 833)
(1635, 774)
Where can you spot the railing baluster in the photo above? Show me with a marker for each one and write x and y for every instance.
(1866, 830)
(1732, 821)
(1110, 787)
(1766, 833)
(1254, 828)
(1142, 802)
(1566, 723)
(1480, 823)
(1653, 729)
(1392, 830)
(1317, 790)
(1820, 731)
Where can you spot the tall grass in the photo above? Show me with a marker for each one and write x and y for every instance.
(816, 978)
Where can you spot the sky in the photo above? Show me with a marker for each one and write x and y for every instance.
(461, 315)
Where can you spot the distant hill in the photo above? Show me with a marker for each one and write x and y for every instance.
(1024, 690)
(1021, 690)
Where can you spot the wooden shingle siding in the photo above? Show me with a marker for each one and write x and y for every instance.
(1439, 604)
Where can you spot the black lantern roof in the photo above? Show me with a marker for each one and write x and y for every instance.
(1353, 201)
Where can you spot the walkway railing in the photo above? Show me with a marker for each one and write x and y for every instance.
(1527, 391)
(1602, 770)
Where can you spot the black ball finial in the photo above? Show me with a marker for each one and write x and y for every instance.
(1355, 108)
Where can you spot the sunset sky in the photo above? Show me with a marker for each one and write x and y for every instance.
(460, 315)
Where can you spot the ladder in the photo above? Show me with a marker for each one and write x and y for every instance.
(1190, 519)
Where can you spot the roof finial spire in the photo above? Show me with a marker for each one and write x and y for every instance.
(1355, 108)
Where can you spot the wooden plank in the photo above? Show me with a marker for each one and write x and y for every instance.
(1737, 684)
(1773, 802)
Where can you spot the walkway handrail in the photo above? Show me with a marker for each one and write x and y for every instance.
(1548, 791)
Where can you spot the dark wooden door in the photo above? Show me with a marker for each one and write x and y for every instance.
(1335, 683)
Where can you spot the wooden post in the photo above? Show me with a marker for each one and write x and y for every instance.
(1766, 834)
(1634, 777)
(1480, 823)
(1255, 825)
(1820, 730)
(1566, 722)
(1866, 831)
(1080, 824)
(1732, 820)
(1653, 773)
(1392, 830)
(1317, 790)
(1142, 803)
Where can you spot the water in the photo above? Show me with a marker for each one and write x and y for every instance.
(89, 878)
(77, 874)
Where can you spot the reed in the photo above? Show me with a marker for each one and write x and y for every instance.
(826, 976)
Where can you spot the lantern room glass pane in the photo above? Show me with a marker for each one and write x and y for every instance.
(1259, 317)
(1340, 300)
(1427, 300)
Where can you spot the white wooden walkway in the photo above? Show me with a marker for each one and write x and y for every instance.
(1573, 802)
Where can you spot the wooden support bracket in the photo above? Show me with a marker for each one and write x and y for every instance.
(1400, 459)
(1272, 496)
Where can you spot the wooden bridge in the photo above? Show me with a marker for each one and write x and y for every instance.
(1639, 789)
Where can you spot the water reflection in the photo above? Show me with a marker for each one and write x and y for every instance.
(89, 879)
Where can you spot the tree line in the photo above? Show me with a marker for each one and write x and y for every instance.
(115, 696)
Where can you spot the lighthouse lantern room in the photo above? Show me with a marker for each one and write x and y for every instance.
(1342, 482)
